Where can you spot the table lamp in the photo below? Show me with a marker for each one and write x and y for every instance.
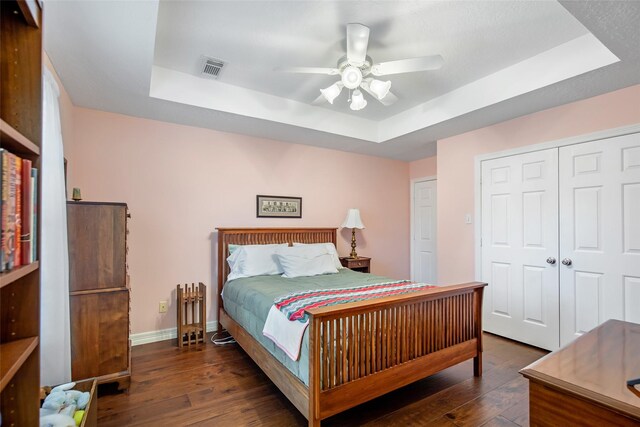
(353, 221)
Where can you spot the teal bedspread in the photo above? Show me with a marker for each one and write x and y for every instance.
(248, 301)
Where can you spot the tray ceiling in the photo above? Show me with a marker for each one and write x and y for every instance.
(502, 60)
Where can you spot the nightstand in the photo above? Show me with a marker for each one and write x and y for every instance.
(361, 264)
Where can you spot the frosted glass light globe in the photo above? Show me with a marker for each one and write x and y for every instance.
(351, 77)
(331, 92)
(380, 88)
(357, 101)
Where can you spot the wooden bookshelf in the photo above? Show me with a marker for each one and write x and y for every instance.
(16, 142)
(21, 134)
(13, 354)
(8, 277)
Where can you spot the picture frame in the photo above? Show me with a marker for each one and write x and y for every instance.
(278, 206)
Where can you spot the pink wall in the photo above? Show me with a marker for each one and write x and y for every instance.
(423, 168)
(456, 164)
(182, 182)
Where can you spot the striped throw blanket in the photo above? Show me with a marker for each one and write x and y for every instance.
(294, 304)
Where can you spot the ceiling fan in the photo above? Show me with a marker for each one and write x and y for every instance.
(357, 71)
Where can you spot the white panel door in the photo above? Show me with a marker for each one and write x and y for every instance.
(520, 247)
(424, 232)
(600, 234)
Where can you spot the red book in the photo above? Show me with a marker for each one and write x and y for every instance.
(8, 210)
(25, 238)
(17, 257)
(4, 221)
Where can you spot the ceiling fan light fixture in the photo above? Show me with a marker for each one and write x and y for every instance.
(380, 88)
(357, 69)
(351, 77)
(357, 101)
(332, 92)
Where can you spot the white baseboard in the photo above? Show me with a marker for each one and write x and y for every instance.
(163, 334)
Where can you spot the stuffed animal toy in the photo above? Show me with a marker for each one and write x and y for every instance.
(57, 420)
(66, 403)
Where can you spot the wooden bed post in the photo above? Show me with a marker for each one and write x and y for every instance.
(314, 373)
(222, 277)
(477, 361)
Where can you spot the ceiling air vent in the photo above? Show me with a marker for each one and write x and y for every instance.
(211, 67)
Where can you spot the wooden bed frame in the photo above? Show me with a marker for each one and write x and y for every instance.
(362, 350)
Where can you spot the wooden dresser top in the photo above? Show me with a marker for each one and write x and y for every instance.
(596, 367)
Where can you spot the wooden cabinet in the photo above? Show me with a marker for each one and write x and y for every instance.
(99, 292)
(361, 264)
(584, 383)
(97, 245)
(20, 133)
(100, 337)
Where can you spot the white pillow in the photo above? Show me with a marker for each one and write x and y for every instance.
(254, 260)
(330, 247)
(305, 260)
(232, 248)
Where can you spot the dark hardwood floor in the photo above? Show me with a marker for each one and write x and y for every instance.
(220, 385)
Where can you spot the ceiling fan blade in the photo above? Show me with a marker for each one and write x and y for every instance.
(309, 70)
(320, 100)
(357, 42)
(389, 99)
(423, 63)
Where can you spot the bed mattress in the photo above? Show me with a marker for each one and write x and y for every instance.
(248, 300)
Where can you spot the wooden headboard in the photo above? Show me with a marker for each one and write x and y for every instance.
(264, 236)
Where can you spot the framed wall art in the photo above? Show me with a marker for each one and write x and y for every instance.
(278, 207)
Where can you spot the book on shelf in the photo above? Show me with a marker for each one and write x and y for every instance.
(18, 196)
(8, 209)
(17, 253)
(34, 214)
(25, 236)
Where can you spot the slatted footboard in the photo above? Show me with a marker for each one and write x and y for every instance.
(362, 350)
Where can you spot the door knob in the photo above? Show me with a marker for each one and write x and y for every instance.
(566, 261)
(551, 260)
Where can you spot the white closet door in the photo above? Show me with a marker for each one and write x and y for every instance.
(424, 232)
(520, 247)
(600, 234)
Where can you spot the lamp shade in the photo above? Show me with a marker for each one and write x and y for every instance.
(353, 219)
(332, 91)
(357, 101)
(380, 88)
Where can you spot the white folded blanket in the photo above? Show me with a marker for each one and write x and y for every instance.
(285, 333)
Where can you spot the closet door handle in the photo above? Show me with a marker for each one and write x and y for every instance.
(551, 260)
(566, 261)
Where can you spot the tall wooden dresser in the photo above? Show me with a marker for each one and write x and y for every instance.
(99, 292)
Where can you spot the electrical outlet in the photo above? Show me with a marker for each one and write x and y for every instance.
(163, 307)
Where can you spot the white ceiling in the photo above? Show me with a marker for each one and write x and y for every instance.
(503, 59)
(254, 38)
